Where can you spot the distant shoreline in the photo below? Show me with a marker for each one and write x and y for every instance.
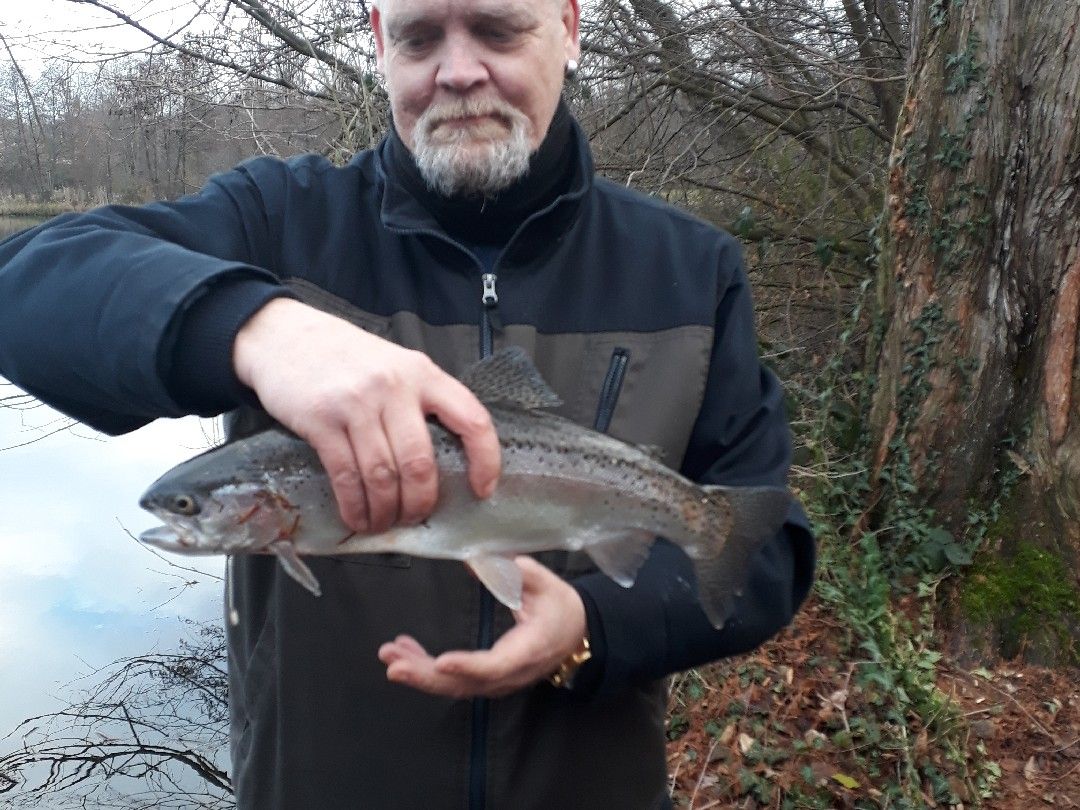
(33, 210)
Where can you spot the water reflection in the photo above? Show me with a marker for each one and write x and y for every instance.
(10, 225)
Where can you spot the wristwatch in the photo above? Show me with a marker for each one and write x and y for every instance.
(564, 676)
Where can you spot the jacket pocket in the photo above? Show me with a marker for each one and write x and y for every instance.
(609, 391)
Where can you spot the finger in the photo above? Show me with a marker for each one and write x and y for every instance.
(414, 458)
(518, 655)
(378, 471)
(418, 671)
(410, 643)
(338, 459)
(463, 414)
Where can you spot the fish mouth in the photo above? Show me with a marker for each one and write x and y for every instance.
(166, 538)
(160, 536)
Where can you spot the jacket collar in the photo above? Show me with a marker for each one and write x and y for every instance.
(403, 208)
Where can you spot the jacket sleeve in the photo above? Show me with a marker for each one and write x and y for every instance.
(741, 438)
(91, 305)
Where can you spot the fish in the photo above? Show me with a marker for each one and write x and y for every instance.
(562, 486)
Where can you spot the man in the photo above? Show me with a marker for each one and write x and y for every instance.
(477, 222)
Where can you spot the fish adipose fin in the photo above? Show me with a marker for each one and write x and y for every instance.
(621, 555)
(756, 515)
(509, 376)
(501, 576)
(294, 566)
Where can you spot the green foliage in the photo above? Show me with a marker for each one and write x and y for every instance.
(953, 153)
(823, 249)
(939, 11)
(883, 585)
(745, 222)
(962, 68)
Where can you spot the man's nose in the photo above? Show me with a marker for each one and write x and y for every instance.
(460, 69)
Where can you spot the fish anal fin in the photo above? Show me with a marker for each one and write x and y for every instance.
(501, 576)
(621, 554)
(509, 376)
(294, 566)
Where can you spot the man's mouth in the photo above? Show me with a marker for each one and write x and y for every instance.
(481, 124)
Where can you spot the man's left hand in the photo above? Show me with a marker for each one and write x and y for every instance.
(550, 627)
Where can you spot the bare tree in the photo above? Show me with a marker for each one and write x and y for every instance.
(149, 731)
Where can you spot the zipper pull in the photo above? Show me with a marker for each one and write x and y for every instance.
(490, 298)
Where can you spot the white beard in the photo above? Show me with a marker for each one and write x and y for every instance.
(456, 161)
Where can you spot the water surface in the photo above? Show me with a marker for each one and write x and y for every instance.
(10, 225)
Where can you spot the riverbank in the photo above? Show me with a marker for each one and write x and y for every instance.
(33, 210)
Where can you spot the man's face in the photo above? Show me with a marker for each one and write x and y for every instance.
(473, 84)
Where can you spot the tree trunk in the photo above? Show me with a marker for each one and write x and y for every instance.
(979, 292)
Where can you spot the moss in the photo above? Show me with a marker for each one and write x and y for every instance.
(1030, 598)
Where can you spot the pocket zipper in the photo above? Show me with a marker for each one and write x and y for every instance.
(609, 392)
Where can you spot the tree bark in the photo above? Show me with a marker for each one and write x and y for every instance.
(980, 273)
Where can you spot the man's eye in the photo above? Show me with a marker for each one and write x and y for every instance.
(416, 42)
(498, 36)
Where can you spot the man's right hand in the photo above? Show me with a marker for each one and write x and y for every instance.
(361, 402)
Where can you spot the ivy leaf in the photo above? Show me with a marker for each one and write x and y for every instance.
(958, 555)
(745, 222)
(823, 249)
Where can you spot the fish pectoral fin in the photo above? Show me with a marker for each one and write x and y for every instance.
(621, 554)
(294, 566)
(501, 576)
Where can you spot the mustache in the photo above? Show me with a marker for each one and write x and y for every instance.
(439, 114)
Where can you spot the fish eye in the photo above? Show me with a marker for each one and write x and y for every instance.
(184, 505)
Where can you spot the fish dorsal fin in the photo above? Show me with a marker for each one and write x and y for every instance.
(501, 576)
(621, 554)
(509, 376)
(653, 451)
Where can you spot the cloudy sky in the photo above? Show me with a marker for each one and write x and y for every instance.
(76, 592)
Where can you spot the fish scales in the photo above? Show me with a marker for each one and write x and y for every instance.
(562, 486)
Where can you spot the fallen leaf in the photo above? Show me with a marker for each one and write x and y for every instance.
(846, 780)
(746, 742)
(1031, 770)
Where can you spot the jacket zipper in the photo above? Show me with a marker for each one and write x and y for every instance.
(609, 391)
(489, 324)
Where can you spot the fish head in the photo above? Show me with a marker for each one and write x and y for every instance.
(205, 512)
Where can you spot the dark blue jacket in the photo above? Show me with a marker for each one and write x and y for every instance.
(637, 314)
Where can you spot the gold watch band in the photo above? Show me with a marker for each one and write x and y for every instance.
(564, 675)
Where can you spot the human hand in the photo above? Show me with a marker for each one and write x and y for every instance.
(550, 626)
(361, 402)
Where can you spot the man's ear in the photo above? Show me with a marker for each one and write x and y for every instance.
(571, 18)
(380, 45)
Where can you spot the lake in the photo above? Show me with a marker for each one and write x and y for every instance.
(10, 225)
(76, 590)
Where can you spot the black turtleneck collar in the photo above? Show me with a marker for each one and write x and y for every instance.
(493, 220)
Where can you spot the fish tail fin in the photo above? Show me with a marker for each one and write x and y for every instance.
(752, 515)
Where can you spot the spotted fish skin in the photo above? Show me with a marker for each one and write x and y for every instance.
(562, 486)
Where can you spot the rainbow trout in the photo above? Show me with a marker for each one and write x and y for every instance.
(562, 486)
